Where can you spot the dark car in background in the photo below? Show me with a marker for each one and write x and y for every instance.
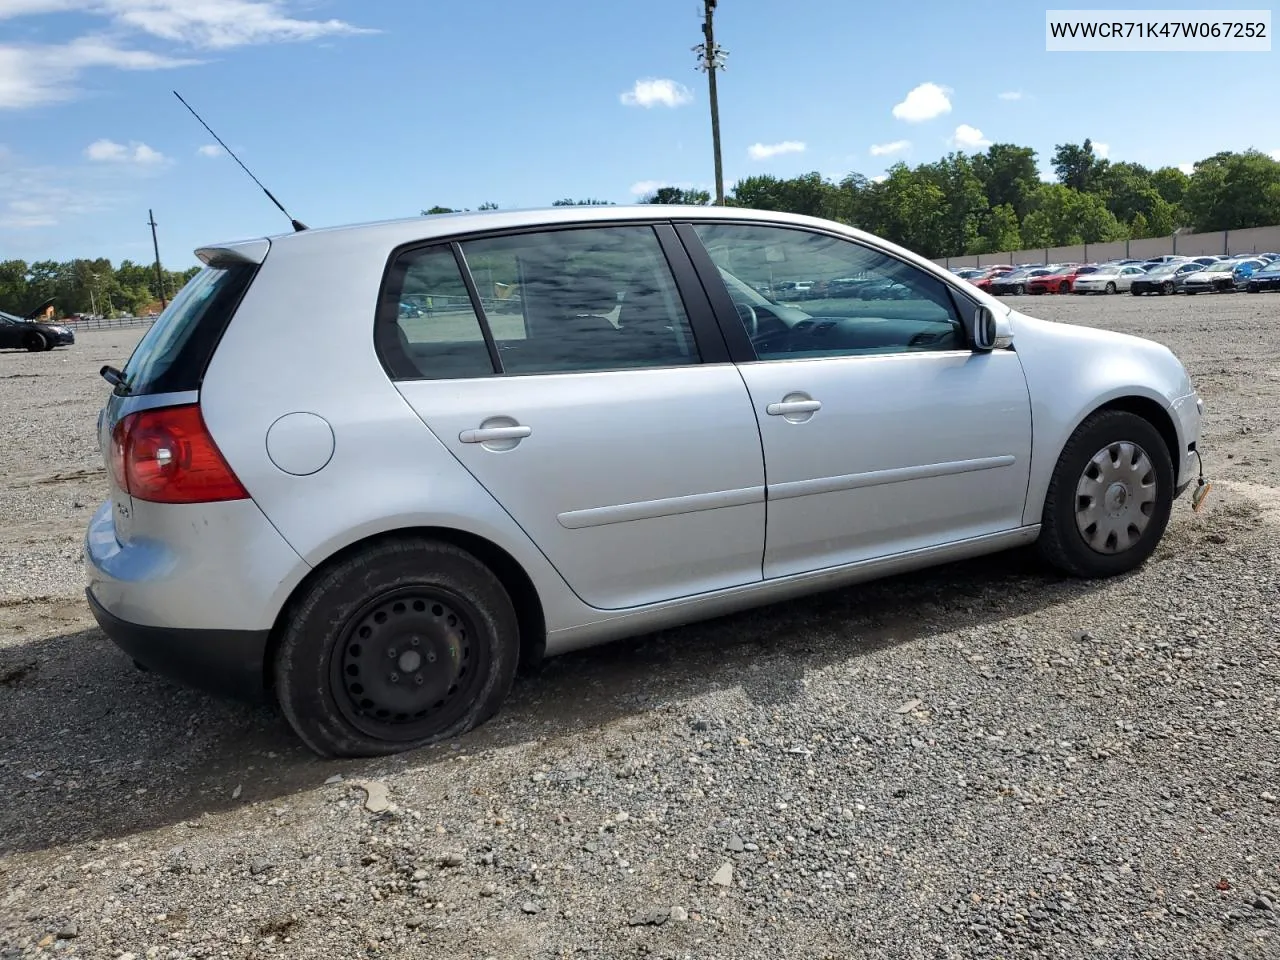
(1165, 278)
(1264, 278)
(1016, 281)
(28, 333)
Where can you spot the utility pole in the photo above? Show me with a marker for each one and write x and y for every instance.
(151, 219)
(711, 58)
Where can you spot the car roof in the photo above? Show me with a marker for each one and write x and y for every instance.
(423, 229)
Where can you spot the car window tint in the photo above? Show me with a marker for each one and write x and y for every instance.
(566, 301)
(825, 296)
(438, 335)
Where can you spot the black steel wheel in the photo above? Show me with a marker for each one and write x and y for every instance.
(405, 643)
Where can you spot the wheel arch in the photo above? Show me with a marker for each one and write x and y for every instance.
(514, 578)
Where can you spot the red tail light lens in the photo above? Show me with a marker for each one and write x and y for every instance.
(168, 456)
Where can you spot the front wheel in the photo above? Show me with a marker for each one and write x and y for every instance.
(1110, 497)
(1111, 287)
(406, 643)
(1064, 287)
(1019, 289)
(1166, 287)
(36, 342)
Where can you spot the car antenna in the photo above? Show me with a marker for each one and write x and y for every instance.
(298, 225)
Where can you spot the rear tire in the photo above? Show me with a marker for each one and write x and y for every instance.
(1110, 497)
(409, 642)
(35, 342)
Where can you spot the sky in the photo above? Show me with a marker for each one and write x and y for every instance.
(358, 110)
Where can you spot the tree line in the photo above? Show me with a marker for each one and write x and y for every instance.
(995, 201)
(86, 286)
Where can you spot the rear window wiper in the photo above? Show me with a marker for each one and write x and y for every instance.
(115, 378)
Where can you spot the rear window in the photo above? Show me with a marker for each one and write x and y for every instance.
(174, 353)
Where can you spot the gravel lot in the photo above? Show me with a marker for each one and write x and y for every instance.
(981, 760)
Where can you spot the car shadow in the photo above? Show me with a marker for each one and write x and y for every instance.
(93, 749)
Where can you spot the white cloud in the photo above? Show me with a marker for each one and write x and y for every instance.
(886, 149)
(969, 138)
(1048, 176)
(1275, 154)
(642, 188)
(1101, 149)
(880, 178)
(108, 151)
(210, 150)
(33, 75)
(655, 91)
(924, 103)
(766, 151)
(215, 24)
(37, 197)
(1190, 168)
(1011, 95)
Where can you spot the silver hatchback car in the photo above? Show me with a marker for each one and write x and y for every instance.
(368, 470)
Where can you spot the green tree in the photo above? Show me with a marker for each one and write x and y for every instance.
(1063, 217)
(1232, 191)
(1076, 165)
(1139, 227)
(909, 210)
(1009, 175)
(678, 195)
(581, 203)
(1000, 232)
(966, 208)
(1170, 183)
(438, 209)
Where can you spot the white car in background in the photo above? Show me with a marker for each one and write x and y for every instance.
(1109, 278)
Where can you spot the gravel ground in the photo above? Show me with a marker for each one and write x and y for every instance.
(980, 760)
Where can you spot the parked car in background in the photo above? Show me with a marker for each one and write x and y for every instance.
(1108, 278)
(1207, 261)
(1059, 281)
(1241, 270)
(267, 530)
(28, 333)
(1164, 279)
(1265, 278)
(1215, 278)
(1015, 282)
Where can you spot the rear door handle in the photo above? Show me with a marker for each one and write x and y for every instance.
(489, 434)
(788, 407)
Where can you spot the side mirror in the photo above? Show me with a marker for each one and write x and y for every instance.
(985, 333)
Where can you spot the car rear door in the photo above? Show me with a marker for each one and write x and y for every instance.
(884, 432)
(580, 376)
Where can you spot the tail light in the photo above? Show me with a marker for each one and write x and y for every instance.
(168, 456)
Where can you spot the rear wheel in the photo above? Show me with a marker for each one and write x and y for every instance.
(35, 341)
(406, 643)
(1110, 497)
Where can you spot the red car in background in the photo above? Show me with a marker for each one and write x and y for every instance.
(984, 282)
(1060, 281)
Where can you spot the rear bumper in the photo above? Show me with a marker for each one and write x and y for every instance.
(228, 663)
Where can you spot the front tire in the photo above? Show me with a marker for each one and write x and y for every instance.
(1019, 289)
(1167, 287)
(406, 643)
(36, 342)
(1111, 287)
(1110, 497)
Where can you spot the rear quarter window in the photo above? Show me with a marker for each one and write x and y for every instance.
(174, 353)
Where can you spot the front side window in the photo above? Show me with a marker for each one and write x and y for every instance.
(831, 297)
(578, 300)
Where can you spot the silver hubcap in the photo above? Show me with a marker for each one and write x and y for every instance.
(1115, 497)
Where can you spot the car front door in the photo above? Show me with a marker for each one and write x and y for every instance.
(593, 397)
(883, 430)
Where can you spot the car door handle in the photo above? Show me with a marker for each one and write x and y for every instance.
(489, 434)
(788, 407)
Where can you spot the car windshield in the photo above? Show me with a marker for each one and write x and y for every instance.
(1106, 271)
(1272, 267)
(1221, 267)
(1162, 268)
